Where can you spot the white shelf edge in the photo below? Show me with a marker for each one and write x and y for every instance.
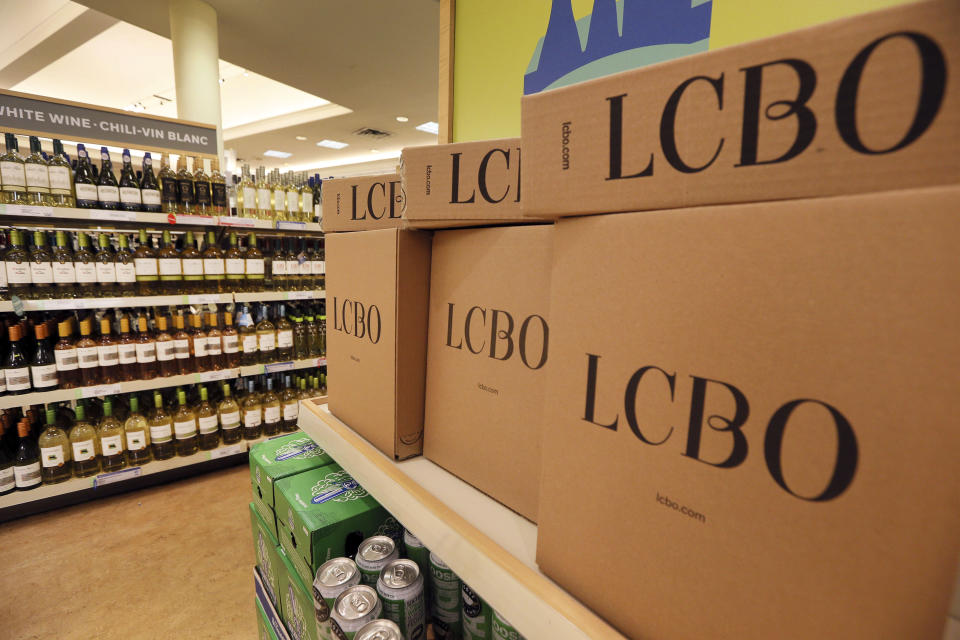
(277, 367)
(493, 553)
(156, 301)
(273, 296)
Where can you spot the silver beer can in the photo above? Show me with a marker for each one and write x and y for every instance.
(373, 555)
(333, 578)
(401, 592)
(379, 630)
(352, 609)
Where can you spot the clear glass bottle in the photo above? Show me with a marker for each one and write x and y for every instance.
(127, 351)
(284, 334)
(110, 433)
(252, 412)
(125, 267)
(108, 189)
(41, 267)
(290, 405)
(61, 178)
(253, 265)
(185, 427)
(149, 186)
(214, 343)
(264, 209)
(136, 435)
(231, 342)
(16, 365)
(38, 177)
(56, 464)
(146, 351)
(85, 265)
(17, 266)
(266, 336)
(301, 346)
(248, 337)
(84, 181)
(65, 355)
(145, 265)
(181, 340)
(26, 462)
(228, 412)
(313, 335)
(88, 355)
(203, 203)
(247, 194)
(43, 367)
(279, 196)
(130, 198)
(166, 349)
(304, 259)
(192, 263)
(169, 190)
(170, 265)
(107, 354)
(319, 266)
(293, 198)
(83, 444)
(278, 266)
(198, 343)
(64, 273)
(207, 422)
(161, 430)
(272, 413)
(106, 265)
(235, 266)
(12, 173)
(293, 265)
(186, 196)
(218, 190)
(213, 266)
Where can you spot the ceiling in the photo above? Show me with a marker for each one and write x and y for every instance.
(335, 68)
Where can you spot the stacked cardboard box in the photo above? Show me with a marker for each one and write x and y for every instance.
(748, 426)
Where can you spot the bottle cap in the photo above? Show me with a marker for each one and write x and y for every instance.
(51, 415)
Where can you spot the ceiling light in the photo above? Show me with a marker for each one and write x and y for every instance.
(402, 118)
(332, 144)
(374, 151)
(429, 127)
(246, 73)
(277, 154)
(301, 137)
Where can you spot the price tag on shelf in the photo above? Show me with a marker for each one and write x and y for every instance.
(117, 476)
(123, 216)
(299, 295)
(203, 298)
(278, 366)
(211, 376)
(25, 210)
(232, 450)
(231, 221)
(47, 305)
(291, 224)
(199, 220)
(100, 390)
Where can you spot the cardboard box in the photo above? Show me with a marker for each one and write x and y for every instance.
(751, 426)
(324, 513)
(378, 285)
(265, 545)
(463, 184)
(297, 610)
(758, 121)
(487, 354)
(277, 458)
(264, 628)
(362, 203)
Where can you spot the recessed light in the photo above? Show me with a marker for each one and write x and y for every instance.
(373, 151)
(332, 144)
(402, 118)
(277, 154)
(429, 127)
(301, 137)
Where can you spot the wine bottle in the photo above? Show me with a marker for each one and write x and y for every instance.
(235, 266)
(108, 356)
(12, 173)
(181, 341)
(293, 198)
(264, 210)
(88, 355)
(85, 263)
(171, 267)
(146, 351)
(185, 427)
(306, 199)
(301, 348)
(252, 413)
(110, 434)
(61, 178)
(16, 368)
(108, 189)
(161, 430)
(213, 266)
(271, 409)
(55, 461)
(64, 273)
(266, 336)
(290, 403)
(130, 197)
(207, 422)
(231, 342)
(218, 190)
(279, 196)
(248, 337)
(17, 266)
(38, 178)
(7, 481)
(84, 181)
(214, 343)
(293, 265)
(254, 266)
(229, 414)
(186, 198)
(65, 355)
(149, 187)
(145, 265)
(247, 194)
(169, 189)
(201, 188)
(192, 262)
(166, 349)
(106, 263)
(41, 267)
(136, 435)
(26, 464)
(319, 266)
(43, 367)
(198, 343)
(83, 444)
(127, 351)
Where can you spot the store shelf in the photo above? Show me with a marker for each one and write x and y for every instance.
(271, 296)
(117, 302)
(489, 546)
(289, 365)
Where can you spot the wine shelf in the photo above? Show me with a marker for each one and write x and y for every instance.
(158, 301)
(489, 546)
(290, 365)
(272, 296)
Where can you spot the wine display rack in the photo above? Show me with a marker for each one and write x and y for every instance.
(159, 301)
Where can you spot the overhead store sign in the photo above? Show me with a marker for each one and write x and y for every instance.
(39, 115)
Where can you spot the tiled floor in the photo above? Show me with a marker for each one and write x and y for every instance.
(173, 561)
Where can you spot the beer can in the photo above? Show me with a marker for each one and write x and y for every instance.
(379, 630)
(446, 599)
(333, 578)
(401, 593)
(373, 555)
(503, 630)
(352, 609)
(419, 553)
(476, 618)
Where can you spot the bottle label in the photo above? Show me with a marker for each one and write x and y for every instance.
(146, 353)
(51, 456)
(271, 414)
(64, 273)
(235, 266)
(252, 417)
(3, 275)
(145, 267)
(18, 379)
(37, 177)
(208, 424)
(263, 198)
(44, 375)
(13, 176)
(203, 193)
(59, 180)
(307, 201)
(127, 353)
(107, 193)
(18, 272)
(279, 268)
(150, 196)
(86, 271)
(317, 267)
(249, 343)
(185, 429)
(285, 339)
(89, 357)
(130, 195)
(293, 201)
(126, 273)
(170, 266)
(306, 268)
(293, 267)
(267, 341)
(193, 267)
(111, 445)
(218, 193)
(291, 410)
(213, 346)
(279, 200)
(108, 355)
(254, 266)
(161, 433)
(230, 420)
(66, 359)
(231, 344)
(185, 191)
(213, 266)
(7, 480)
(84, 450)
(27, 475)
(41, 272)
(249, 198)
(86, 192)
(166, 350)
(181, 348)
(136, 440)
(106, 272)
(3, 381)
(200, 347)
(169, 190)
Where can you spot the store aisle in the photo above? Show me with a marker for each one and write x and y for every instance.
(167, 562)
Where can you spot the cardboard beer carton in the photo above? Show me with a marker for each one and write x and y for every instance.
(265, 545)
(297, 603)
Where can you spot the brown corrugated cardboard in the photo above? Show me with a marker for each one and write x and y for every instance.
(835, 109)
(463, 184)
(751, 429)
(487, 353)
(362, 203)
(378, 287)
